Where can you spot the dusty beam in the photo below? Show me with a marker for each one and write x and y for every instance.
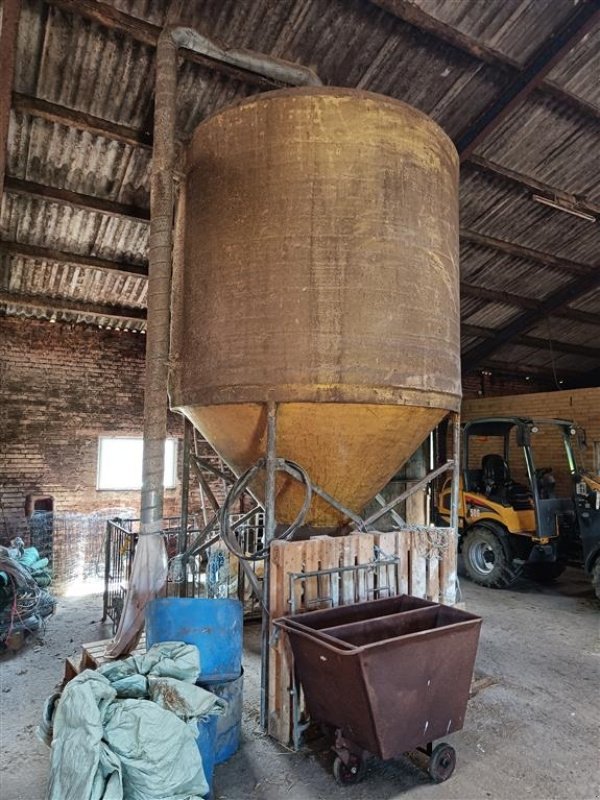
(527, 253)
(78, 119)
(559, 299)
(543, 61)
(534, 341)
(510, 368)
(83, 201)
(38, 302)
(71, 259)
(528, 184)
(11, 13)
(517, 300)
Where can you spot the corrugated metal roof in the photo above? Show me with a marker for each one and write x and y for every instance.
(557, 145)
(489, 205)
(66, 59)
(578, 72)
(515, 28)
(491, 269)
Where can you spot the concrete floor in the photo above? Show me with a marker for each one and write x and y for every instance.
(535, 734)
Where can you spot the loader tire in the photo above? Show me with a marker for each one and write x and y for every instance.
(487, 559)
(596, 577)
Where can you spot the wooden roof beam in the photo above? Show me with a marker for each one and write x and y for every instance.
(9, 32)
(82, 201)
(36, 253)
(584, 19)
(533, 341)
(52, 112)
(528, 185)
(37, 302)
(517, 300)
(527, 253)
(558, 299)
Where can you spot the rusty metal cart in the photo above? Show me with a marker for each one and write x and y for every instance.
(389, 676)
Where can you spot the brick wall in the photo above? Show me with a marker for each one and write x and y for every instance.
(580, 405)
(61, 387)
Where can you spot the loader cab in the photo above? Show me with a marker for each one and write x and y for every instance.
(524, 503)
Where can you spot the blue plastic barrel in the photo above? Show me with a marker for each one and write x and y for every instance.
(206, 741)
(214, 626)
(229, 724)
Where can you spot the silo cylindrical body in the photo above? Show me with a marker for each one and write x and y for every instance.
(320, 270)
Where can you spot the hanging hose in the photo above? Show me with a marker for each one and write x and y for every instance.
(228, 532)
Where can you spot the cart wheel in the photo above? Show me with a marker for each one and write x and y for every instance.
(346, 774)
(442, 762)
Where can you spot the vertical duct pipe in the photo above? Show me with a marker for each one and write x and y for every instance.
(149, 571)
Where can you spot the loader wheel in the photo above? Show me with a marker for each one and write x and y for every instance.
(486, 559)
(596, 577)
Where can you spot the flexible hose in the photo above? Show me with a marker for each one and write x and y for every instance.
(227, 531)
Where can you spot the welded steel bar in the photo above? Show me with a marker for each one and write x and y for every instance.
(270, 525)
(208, 492)
(411, 489)
(325, 495)
(204, 463)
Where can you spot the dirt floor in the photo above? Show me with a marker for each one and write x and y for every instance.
(534, 734)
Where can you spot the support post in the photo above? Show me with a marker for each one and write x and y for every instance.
(455, 472)
(182, 543)
(270, 524)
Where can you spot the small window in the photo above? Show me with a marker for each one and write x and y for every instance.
(120, 463)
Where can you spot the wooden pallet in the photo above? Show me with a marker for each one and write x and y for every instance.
(426, 568)
(93, 655)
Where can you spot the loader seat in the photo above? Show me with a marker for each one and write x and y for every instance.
(497, 483)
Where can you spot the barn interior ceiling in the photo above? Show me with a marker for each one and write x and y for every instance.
(513, 82)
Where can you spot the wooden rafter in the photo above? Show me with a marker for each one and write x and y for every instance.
(36, 253)
(528, 185)
(517, 300)
(53, 112)
(535, 342)
(527, 253)
(36, 302)
(524, 322)
(77, 200)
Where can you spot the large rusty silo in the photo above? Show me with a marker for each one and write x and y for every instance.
(321, 272)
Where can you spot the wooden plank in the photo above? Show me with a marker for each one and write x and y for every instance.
(348, 559)
(433, 578)
(403, 545)
(418, 565)
(286, 558)
(386, 574)
(448, 570)
(365, 553)
(11, 13)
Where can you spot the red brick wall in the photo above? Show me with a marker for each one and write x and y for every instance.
(61, 387)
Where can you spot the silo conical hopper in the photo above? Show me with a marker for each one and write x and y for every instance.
(321, 272)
